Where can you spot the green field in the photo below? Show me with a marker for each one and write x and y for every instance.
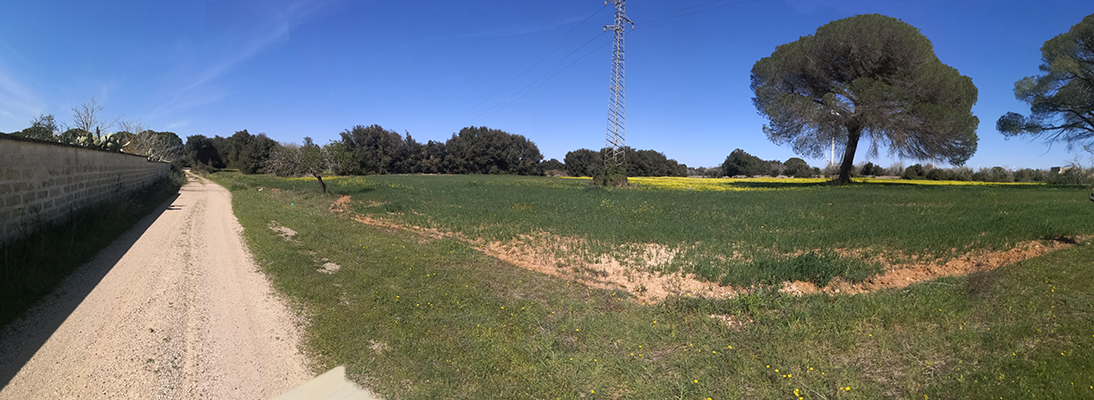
(415, 316)
(735, 233)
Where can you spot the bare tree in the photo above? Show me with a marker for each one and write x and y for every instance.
(87, 116)
(132, 126)
(157, 146)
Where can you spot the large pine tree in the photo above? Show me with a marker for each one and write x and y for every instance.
(867, 76)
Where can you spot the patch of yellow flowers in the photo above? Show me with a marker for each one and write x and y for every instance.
(731, 184)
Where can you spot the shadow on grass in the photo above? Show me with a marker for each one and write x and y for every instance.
(24, 335)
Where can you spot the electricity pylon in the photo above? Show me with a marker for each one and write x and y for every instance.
(616, 120)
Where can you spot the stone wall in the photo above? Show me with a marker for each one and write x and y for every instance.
(43, 182)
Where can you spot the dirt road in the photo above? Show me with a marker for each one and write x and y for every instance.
(173, 309)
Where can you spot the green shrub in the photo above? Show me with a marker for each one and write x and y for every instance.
(611, 175)
(914, 172)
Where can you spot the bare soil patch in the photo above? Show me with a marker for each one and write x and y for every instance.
(282, 231)
(537, 253)
(329, 268)
(634, 267)
(901, 275)
(341, 205)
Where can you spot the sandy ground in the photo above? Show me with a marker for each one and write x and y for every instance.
(175, 308)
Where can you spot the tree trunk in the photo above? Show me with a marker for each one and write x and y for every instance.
(854, 133)
(320, 178)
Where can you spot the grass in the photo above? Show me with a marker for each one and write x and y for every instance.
(726, 230)
(413, 317)
(33, 266)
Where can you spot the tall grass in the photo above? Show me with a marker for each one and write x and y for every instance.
(416, 318)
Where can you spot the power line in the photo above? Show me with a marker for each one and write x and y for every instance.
(544, 78)
(527, 69)
(517, 96)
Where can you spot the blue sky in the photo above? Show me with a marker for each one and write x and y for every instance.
(535, 68)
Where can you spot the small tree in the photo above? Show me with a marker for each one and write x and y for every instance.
(42, 128)
(915, 171)
(797, 168)
(582, 162)
(308, 159)
(740, 162)
(202, 154)
(612, 174)
(314, 160)
(871, 169)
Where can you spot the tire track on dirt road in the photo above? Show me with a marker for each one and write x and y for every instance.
(175, 308)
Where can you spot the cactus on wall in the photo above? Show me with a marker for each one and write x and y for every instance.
(108, 142)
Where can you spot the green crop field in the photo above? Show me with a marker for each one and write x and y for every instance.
(416, 314)
(729, 232)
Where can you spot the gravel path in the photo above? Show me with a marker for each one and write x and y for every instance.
(175, 308)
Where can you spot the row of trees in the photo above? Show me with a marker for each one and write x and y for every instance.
(473, 150)
(365, 150)
(371, 150)
(740, 163)
(374, 150)
(585, 162)
(1070, 175)
(243, 151)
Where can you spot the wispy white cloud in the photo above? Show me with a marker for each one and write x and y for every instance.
(259, 42)
(185, 100)
(199, 85)
(18, 103)
(176, 125)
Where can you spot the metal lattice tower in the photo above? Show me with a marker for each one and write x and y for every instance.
(616, 120)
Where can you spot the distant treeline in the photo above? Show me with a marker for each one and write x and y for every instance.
(1073, 174)
(365, 150)
(585, 162)
(374, 150)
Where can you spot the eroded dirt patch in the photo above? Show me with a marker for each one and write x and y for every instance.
(634, 267)
(606, 272)
(282, 231)
(341, 205)
(901, 275)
